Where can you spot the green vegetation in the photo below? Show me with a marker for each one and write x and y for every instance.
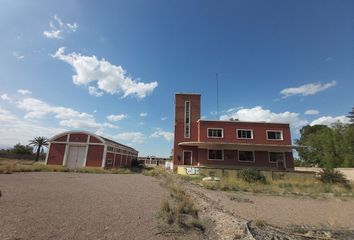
(19, 149)
(251, 176)
(332, 176)
(328, 147)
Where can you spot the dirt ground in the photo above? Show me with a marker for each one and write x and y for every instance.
(283, 211)
(79, 206)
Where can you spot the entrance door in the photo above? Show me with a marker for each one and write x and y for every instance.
(187, 157)
(76, 157)
(281, 164)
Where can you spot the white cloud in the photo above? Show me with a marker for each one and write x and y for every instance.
(37, 109)
(164, 118)
(115, 118)
(307, 89)
(93, 91)
(160, 133)
(312, 112)
(73, 27)
(18, 56)
(135, 137)
(58, 27)
(24, 91)
(143, 114)
(258, 114)
(329, 120)
(110, 78)
(59, 21)
(5, 97)
(14, 130)
(53, 34)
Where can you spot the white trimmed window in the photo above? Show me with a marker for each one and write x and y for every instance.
(215, 154)
(246, 156)
(215, 133)
(187, 119)
(274, 135)
(274, 157)
(244, 134)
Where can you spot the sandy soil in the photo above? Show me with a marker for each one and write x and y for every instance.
(284, 211)
(79, 206)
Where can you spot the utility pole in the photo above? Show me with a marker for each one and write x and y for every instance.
(217, 95)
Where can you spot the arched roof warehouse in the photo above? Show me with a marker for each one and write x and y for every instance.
(77, 149)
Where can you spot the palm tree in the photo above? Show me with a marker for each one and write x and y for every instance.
(39, 142)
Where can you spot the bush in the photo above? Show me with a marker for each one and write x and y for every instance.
(251, 176)
(333, 176)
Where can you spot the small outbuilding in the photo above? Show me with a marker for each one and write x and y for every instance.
(77, 149)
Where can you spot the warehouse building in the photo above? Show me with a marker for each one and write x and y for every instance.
(77, 149)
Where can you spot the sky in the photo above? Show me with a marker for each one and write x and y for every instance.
(113, 67)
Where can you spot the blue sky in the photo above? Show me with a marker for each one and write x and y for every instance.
(81, 62)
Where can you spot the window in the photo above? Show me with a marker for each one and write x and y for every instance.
(244, 134)
(110, 149)
(246, 156)
(187, 119)
(215, 133)
(274, 157)
(274, 135)
(215, 154)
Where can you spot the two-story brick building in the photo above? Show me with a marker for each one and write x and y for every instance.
(234, 144)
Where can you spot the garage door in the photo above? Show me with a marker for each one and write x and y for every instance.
(76, 157)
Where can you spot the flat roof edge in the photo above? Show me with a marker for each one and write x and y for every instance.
(228, 121)
(188, 94)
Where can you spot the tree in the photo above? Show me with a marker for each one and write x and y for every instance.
(39, 142)
(351, 116)
(325, 146)
(21, 149)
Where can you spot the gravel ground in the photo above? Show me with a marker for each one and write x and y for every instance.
(79, 206)
(286, 211)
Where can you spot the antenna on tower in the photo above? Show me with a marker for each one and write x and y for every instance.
(217, 95)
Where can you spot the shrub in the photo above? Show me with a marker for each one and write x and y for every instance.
(251, 176)
(260, 223)
(333, 176)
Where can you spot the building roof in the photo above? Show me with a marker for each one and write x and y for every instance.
(237, 121)
(103, 139)
(116, 143)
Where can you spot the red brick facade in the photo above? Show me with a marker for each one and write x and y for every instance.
(230, 148)
(92, 151)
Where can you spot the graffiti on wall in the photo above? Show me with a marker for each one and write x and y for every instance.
(192, 171)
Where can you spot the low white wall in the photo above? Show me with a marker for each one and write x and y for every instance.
(348, 172)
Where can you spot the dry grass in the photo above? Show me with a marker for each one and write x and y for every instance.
(178, 211)
(158, 172)
(281, 187)
(8, 166)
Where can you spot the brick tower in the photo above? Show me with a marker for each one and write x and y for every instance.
(187, 114)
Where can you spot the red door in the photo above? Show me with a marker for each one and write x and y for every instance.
(187, 157)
